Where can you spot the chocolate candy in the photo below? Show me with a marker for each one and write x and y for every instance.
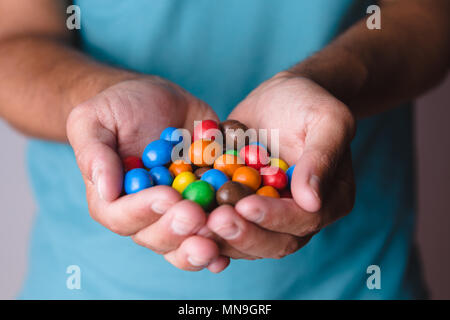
(254, 156)
(215, 177)
(157, 153)
(200, 192)
(248, 176)
(200, 171)
(228, 163)
(203, 152)
(131, 163)
(275, 162)
(179, 166)
(274, 177)
(234, 134)
(161, 176)
(231, 192)
(182, 180)
(268, 191)
(206, 130)
(137, 180)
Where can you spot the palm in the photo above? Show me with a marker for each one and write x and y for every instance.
(139, 110)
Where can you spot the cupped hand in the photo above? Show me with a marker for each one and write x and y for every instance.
(315, 131)
(120, 122)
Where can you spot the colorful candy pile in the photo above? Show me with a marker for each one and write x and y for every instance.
(210, 178)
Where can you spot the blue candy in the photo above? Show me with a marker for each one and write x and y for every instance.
(171, 134)
(161, 176)
(289, 174)
(215, 177)
(137, 180)
(258, 144)
(157, 153)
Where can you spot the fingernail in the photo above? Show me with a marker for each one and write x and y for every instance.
(183, 225)
(160, 207)
(98, 182)
(229, 232)
(197, 262)
(254, 215)
(314, 182)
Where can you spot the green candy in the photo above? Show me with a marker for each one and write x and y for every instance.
(233, 152)
(201, 192)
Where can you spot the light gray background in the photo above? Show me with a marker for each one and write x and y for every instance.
(433, 151)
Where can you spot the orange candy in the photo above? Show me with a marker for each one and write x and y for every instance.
(268, 191)
(179, 166)
(248, 176)
(228, 164)
(203, 152)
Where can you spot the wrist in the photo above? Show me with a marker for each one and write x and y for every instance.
(337, 70)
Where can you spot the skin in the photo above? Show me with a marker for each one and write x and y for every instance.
(107, 113)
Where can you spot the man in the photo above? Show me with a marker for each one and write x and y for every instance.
(146, 65)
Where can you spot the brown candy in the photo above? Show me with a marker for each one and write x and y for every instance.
(231, 192)
(200, 171)
(231, 136)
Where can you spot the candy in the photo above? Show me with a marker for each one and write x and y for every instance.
(274, 162)
(172, 135)
(231, 192)
(200, 171)
(277, 179)
(179, 166)
(206, 130)
(257, 143)
(182, 180)
(268, 191)
(157, 153)
(131, 163)
(200, 192)
(137, 180)
(289, 173)
(232, 152)
(248, 176)
(254, 156)
(234, 134)
(228, 164)
(215, 177)
(203, 153)
(161, 176)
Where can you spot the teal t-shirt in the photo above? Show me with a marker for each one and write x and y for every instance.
(220, 51)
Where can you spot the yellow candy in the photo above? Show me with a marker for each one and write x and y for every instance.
(274, 162)
(182, 180)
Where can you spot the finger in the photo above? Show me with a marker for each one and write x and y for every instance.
(194, 254)
(284, 215)
(249, 238)
(182, 220)
(219, 264)
(94, 147)
(225, 249)
(131, 213)
(325, 144)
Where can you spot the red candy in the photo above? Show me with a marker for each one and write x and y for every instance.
(254, 156)
(201, 130)
(131, 163)
(278, 179)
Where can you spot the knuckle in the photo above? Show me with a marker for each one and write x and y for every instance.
(115, 225)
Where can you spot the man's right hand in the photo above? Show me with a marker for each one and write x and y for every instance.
(120, 122)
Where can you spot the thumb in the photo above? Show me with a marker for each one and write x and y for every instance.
(324, 146)
(94, 148)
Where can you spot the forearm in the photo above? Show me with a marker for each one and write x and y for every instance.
(43, 79)
(374, 70)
